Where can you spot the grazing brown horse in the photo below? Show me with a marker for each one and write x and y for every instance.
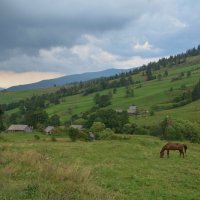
(173, 146)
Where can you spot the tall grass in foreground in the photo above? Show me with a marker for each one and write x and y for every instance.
(32, 175)
(126, 169)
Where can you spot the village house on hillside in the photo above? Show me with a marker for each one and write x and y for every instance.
(49, 129)
(132, 110)
(79, 127)
(19, 128)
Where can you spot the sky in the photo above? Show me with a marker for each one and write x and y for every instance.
(44, 39)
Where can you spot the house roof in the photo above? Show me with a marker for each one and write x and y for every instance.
(17, 127)
(48, 129)
(132, 109)
(77, 126)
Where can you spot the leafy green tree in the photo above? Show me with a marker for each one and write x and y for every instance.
(54, 120)
(196, 92)
(102, 100)
(97, 127)
(36, 117)
(73, 134)
(16, 118)
(159, 77)
(2, 127)
(115, 90)
(110, 118)
(129, 92)
(165, 73)
(149, 74)
(188, 73)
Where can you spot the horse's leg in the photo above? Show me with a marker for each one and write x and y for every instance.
(181, 152)
(168, 153)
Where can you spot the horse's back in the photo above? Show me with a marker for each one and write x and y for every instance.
(174, 146)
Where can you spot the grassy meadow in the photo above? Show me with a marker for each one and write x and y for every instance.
(129, 169)
(150, 94)
(12, 96)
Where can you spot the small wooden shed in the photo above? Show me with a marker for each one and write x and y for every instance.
(49, 129)
(132, 110)
(19, 128)
(79, 127)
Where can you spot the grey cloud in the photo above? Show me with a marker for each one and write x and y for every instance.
(42, 24)
(26, 27)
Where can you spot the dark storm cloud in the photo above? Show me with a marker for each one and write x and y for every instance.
(41, 24)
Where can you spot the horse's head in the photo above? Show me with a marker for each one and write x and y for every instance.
(161, 154)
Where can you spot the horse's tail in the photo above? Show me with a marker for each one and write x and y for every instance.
(185, 147)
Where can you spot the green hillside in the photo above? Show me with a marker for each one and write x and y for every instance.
(129, 169)
(11, 96)
(155, 95)
(151, 93)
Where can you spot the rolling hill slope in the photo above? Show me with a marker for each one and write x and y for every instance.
(155, 95)
(149, 94)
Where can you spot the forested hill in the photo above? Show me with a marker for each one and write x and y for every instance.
(66, 80)
(169, 87)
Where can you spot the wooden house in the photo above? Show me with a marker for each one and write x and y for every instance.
(19, 128)
(132, 110)
(49, 129)
(79, 127)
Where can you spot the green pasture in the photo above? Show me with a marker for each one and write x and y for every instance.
(10, 96)
(151, 93)
(129, 169)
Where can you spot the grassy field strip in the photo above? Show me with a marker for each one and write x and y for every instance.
(100, 170)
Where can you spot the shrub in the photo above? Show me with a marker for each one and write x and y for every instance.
(83, 135)
(105, 134)
(36, 137)
(97, 127)
(129, 128)
(73, 134)
(152, 113)
(2, 138)
(108, 134)
(142, 130)
(79, 121)
(53, 139)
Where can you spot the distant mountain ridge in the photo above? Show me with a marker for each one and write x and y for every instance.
(67, 79)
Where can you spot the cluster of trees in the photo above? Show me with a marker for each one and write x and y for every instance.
(38, 118)
(196, 92)
(122, 80)
(1, 119)
(168, 129)
(112, 119)
(31, 112)
(189, 94)
(182, 75)
(178, 130)
(103, 100)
